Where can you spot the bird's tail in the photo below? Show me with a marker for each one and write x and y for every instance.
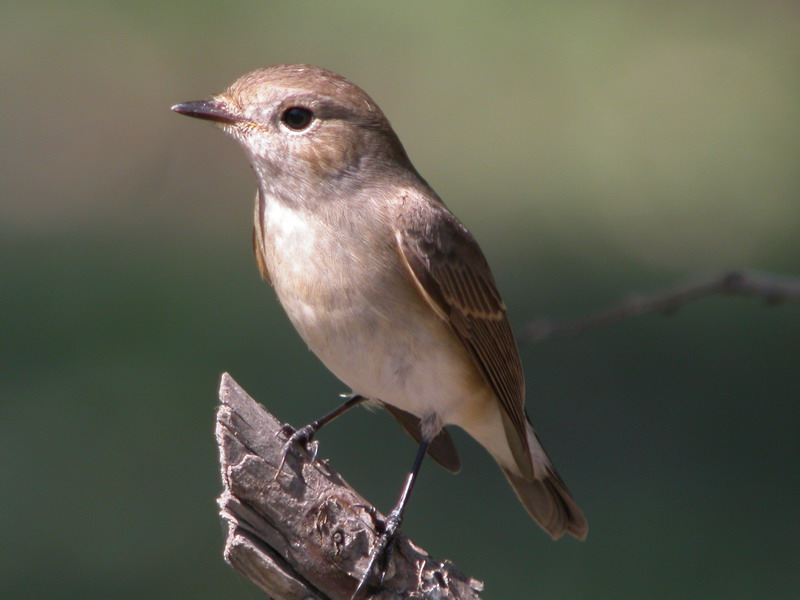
(545, 496)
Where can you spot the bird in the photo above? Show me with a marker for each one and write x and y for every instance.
(383, 283)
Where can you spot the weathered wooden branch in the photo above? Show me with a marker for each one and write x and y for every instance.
(305, 533)
(773, 289)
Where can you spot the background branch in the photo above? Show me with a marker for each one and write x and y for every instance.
(774, 289)
(307, 534)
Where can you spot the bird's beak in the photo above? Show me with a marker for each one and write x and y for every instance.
(211, 110)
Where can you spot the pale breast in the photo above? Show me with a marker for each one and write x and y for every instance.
(350, 300)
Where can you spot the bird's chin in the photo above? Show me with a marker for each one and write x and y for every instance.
(266, 170)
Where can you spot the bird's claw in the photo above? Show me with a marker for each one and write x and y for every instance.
(379, 558)
(303, 436)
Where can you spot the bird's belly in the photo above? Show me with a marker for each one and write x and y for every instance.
(367, 323)
(400, 353)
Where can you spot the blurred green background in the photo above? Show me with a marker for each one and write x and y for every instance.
(594, 148)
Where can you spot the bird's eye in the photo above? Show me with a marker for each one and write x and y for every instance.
(297, 118)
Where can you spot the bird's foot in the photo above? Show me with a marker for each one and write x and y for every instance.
(373, 576)
(303, 436)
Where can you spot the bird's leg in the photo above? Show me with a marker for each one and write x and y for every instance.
(305, 434)
(383, 548)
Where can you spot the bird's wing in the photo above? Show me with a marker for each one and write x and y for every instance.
(259, 247)
(452, 275)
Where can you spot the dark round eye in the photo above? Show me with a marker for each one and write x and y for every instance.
(297, 118)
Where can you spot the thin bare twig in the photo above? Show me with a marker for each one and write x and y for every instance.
(773, 289)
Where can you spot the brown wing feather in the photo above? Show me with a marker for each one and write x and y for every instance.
(259, 247)
(452, 274)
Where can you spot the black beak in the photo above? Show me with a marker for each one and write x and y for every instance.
(210, 110)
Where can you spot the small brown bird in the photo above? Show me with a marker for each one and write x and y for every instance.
(383, 283)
